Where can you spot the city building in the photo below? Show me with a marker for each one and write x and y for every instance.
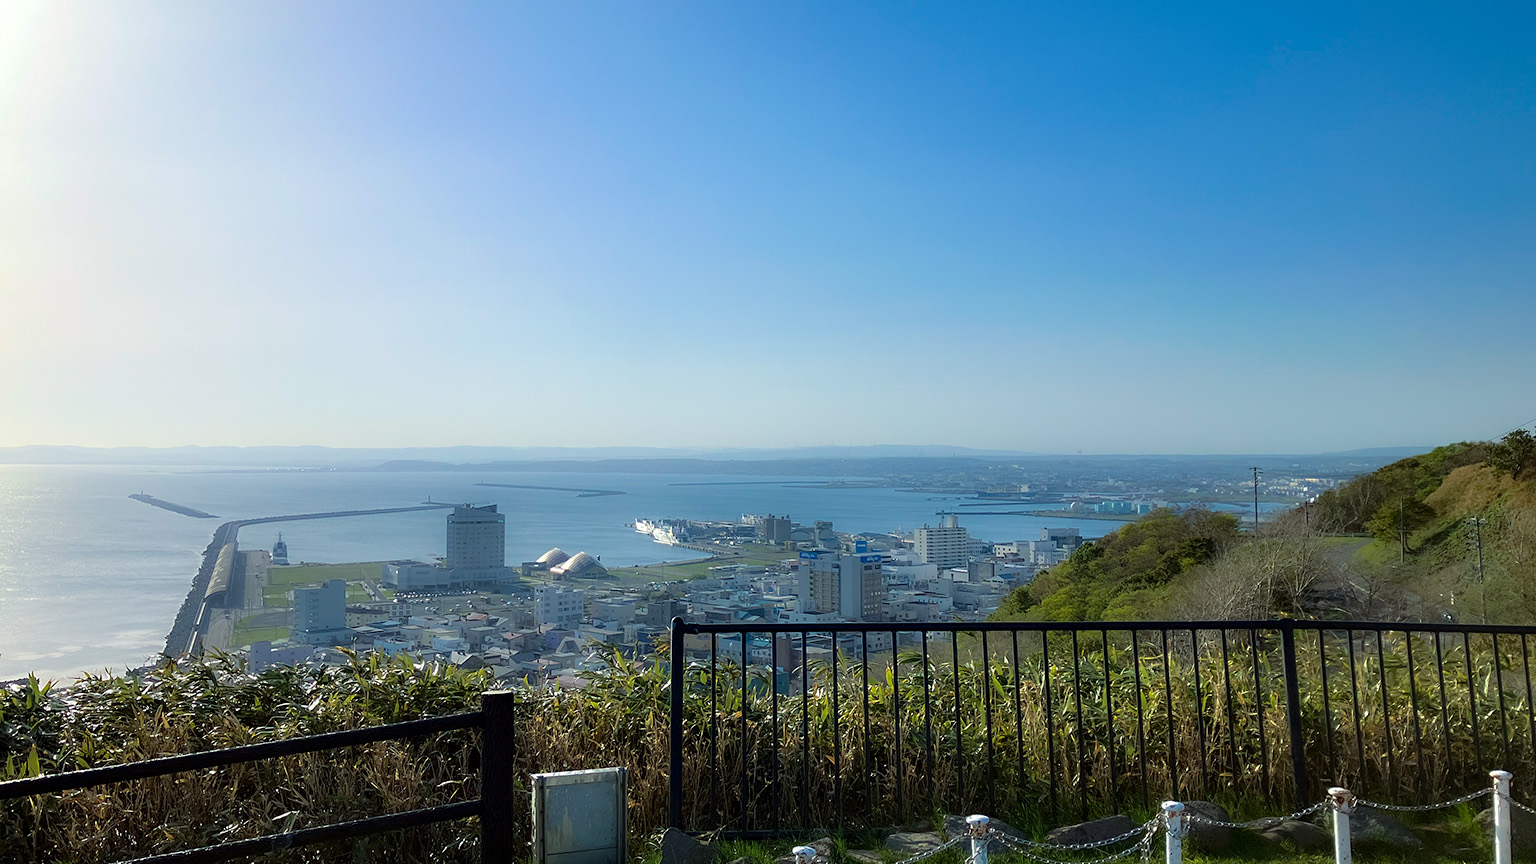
(775, 529)
(948, 545)
(477, 538)
(847, 585)
(320, 614)
(558, 605)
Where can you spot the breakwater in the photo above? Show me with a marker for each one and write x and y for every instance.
(171, 506)
(581, 493)
(192, 619)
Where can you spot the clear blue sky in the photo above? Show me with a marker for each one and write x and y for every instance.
(1054, 227)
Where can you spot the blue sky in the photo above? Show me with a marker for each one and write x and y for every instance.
(1099, 228)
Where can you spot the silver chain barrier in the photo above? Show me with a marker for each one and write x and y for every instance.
(1422, 808)
(1147, 831)
(1524, 807)
(1261, 822)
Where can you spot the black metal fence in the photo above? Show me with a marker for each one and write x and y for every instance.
(778, 726)
(500, 810)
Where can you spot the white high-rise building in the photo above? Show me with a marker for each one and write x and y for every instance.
(320, 614)
(558, 605)
(948, 545)
(477, 538)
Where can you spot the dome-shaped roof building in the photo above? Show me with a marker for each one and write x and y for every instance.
(578, 564)
(553, 557)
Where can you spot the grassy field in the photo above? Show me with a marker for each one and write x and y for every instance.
(244, 635)
(314, 574)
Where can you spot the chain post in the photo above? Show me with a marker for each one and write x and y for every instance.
(978, 830)
(1173, 820)
(1501, 838)
(1343, 804)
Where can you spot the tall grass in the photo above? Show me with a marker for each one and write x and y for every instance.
(1043, 730)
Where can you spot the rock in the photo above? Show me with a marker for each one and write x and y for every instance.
(865, 856)
(823, 849)
(909, 843)
(742, 860)
(1208, 838)
(1298, 835)
(679, 848)
(1369, 827)
(1091, 832)
(1522, 828)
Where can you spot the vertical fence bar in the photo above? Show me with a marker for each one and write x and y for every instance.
(1018, 713)
(928, 720)
(1498, 682)
(1109, 725)
(954, 655)
(837, 741)
(805, 728)
(1354, 696)
(1205, 768)
(986, 701)
(1530, 711)
(1082, 754)
(1299, 782)
(714, 728)
(1386, 714)
(1445, 718)
(1501, 824)
(1141, 719)
(900, 770)
(1173, 754)
(1477, 737)
(1050, 720)
(675, 757)
(1226, 677)
(498, 773)
(1322, 660)
(773, 691)
(1258, 708)
(1418, 737)
(869, 767)
(746, 746)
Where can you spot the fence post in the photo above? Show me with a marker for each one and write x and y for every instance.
(1293, 712)
(675, 758)
(498, 770)
(1501, 838)
(1173, 819)
(979, 841)
(1343, 805)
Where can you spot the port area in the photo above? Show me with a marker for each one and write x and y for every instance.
(171, 506)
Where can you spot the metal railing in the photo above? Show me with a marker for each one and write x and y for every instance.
(783, 726)
(497, 806)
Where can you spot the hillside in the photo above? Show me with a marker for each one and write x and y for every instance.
(1401, 542)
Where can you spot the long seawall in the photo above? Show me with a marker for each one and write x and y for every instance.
(171, 506)
(192, 619)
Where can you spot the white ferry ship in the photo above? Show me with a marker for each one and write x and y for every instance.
(645, 526)
(665, 534)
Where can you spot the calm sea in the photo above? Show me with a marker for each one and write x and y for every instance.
(90, 579)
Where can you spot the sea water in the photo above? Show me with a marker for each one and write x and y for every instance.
(91, 579)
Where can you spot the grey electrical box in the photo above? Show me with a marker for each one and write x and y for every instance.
(579, 817)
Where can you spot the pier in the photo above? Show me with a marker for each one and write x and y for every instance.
(171, 506)
(192, 619)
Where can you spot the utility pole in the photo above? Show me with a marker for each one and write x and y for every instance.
(1402, 536)
(1255, 500)
(1476, 540)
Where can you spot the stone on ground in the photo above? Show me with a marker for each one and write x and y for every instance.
(1522, 828)
(1301, 836)
(1091, 832)
(679, 848)
(1208, 838)
(1370, 827)
(909, 843)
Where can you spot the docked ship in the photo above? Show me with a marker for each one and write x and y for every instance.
(279, 550)
(645, 526)
(665, 534)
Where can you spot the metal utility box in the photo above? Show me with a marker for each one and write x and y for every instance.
(579, 817)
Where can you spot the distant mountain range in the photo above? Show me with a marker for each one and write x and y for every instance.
(510, 458)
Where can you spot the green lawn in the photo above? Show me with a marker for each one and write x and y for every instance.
(314, 574)
(244, 635)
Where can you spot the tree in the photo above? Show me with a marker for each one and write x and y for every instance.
(1405, 514)
(1513, 452)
